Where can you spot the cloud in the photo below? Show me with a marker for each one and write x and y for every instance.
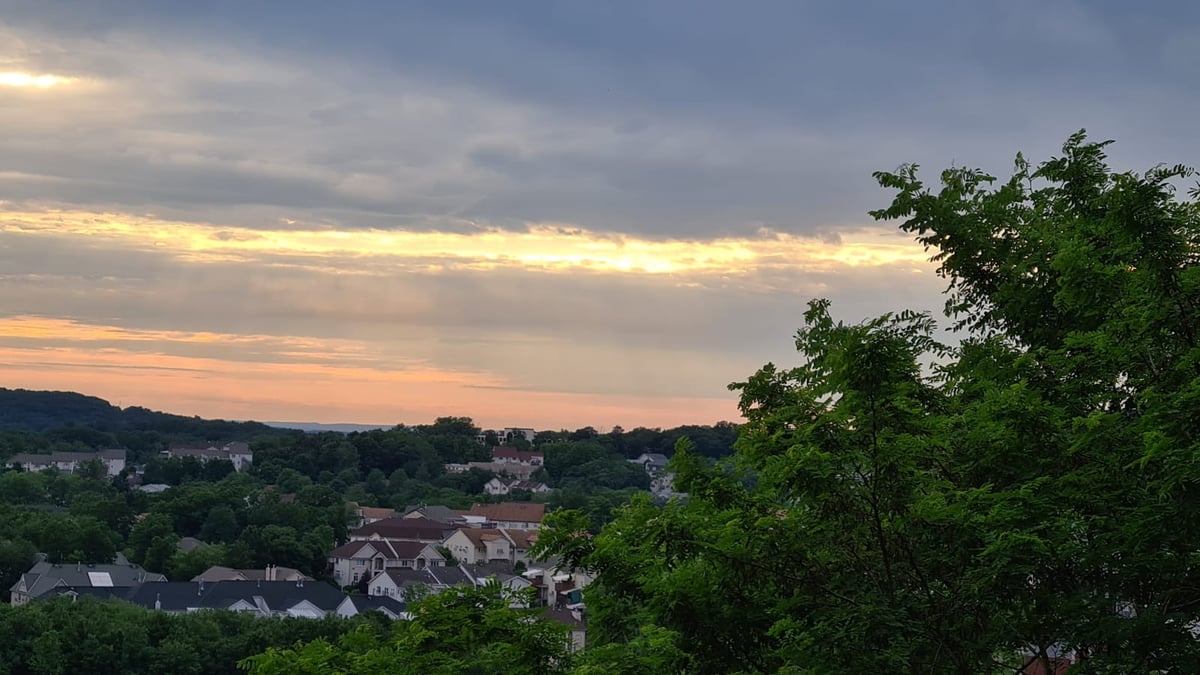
(619, 205)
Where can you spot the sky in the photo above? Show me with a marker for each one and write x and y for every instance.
(537, 214)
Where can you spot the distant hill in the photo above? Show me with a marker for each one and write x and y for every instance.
(317, 427)
(38, 411)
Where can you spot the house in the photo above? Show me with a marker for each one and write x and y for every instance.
(358, 559)
(153, 488)
(557, 585)
(573, 620)
(502, 573)
(69, 462)
(238, 453)
(45, 576)
(503, 486)
(508, 435)
(472, 546)
(312, 600)
(189, 544)
(512, 456)
(652, 462)
(511, 515)
(404, 529)
(442, 514)
(372, 514)
(514, 469)
(404, 583)
(271, 573)
(354, 605)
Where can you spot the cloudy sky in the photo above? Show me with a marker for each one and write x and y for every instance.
(547, 214)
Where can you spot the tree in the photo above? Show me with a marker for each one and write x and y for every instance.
(221, 525)
(145, 532)
(896, 505)
(463, 630)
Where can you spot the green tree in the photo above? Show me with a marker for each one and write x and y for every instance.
(465, 630)
(895, 505)
(145, 532)
(221, 525)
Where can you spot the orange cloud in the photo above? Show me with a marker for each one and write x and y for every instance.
(331, 392)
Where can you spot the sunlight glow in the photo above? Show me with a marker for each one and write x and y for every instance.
(541, 247)
(12, 79)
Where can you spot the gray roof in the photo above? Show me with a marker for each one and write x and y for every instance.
(220, 573)
(189, 544)
(368, 603)
(276, 596)
(436, 577)
(44, 576)
(442, 514)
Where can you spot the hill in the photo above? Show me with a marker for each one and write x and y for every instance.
(38, 411)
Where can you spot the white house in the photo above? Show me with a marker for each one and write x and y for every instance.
(354, 605)
(69, 462)
(504, 486)
(238, 453)
(358, 559)
(475, 546)
(396, 583)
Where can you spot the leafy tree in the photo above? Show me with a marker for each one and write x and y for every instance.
(896, 505)
(153, 527)
(466, 630)
(16, 557)
(221, 525)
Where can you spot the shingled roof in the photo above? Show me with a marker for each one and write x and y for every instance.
(421, 529)
(520, 512)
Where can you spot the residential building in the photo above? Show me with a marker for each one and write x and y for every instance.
(153, 488)
(405, 583)
(573, 620)
(69, 462)
(653, 462)
(512, 456)
(508, 435)
(404, 529)
(514, 469)
(312, 600)
(504, 486)
(442, 514)
(358, 559)
(371, 514)
(392, 608)
(238, 453)
(189, 544)
(45, 576)
(271, 573)
(511, 515)
(473, 546)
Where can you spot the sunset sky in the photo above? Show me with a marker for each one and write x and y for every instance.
(546, 214)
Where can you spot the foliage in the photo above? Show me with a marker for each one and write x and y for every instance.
(89, 636)
(466, 630)
(896, 505)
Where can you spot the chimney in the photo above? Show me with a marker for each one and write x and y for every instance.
(158, 601)
(200, 589)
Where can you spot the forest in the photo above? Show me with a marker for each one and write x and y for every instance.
(1016, 495)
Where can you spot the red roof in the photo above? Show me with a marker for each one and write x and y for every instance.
(520, 512)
